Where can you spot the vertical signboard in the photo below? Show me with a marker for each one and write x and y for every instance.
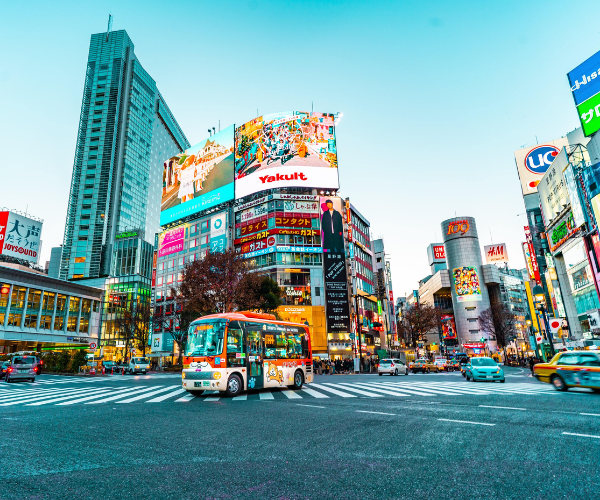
(534, 264)
(218, 232)
(337, 308)
(448, 327)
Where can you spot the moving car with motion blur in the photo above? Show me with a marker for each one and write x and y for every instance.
(4, 368)
(22, 368)
(441, 363)
(482, 368)
(423, 366)
(571, 369)
(392, 367)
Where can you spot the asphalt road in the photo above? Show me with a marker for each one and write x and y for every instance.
(348, 436)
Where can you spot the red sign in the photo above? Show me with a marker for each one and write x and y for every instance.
(252, 228)
(349, 221)
(474, 345)
(458, 226)
(439, 252)
(392, 297)
(4, 290)
(253, 246)
(3, 224)
(534, 264)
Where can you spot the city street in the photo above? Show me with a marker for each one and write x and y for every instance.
(344, 436)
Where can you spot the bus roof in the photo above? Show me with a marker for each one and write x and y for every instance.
(246, 315)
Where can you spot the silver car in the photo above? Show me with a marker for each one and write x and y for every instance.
(392, 366)
(22, 368)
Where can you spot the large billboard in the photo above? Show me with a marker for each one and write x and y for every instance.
(448, 327)
(585, 86)
(171, 241)
(532, 163)
(199, 178)
(466, 284)
(288, 149)
(337, 307)
(495, 254)
(20, 236)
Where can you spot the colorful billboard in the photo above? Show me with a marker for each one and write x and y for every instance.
(20, 236)
(199, 178)
(532, 163)
(533, 258)
(337, 307)
(448, 326)
(585, 79)
(288, 149)
(466, 284)
(171, 241)
(495, 254)
(589, 115)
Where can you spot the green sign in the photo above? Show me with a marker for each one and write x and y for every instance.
(379, 307)
(589, 114)
(128, 234)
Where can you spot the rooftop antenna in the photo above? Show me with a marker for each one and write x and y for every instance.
(213, 130)
(219, 125)
(491, 236)
(209, 133)
(536, 140)
(110, 19)
(311, 106)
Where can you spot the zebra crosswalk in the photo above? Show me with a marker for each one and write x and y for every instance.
(57, 395)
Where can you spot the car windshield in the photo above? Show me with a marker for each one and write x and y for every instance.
(23, 361)
(141, 361)
(205, 338)
(385, 362)
(483, 362)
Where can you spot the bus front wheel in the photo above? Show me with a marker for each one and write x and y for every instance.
(298, 380)
(234, 385)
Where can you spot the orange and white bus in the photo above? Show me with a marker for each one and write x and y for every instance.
(239, 351)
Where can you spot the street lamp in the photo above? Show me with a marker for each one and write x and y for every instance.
(540, 299)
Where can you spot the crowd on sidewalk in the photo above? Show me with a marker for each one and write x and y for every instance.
(346, 365)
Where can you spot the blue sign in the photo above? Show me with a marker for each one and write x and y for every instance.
(198, 204)
(585, 79)
(540, 158)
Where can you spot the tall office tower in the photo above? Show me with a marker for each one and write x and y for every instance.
(126, 132)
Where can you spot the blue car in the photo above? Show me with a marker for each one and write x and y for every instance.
(484, 369)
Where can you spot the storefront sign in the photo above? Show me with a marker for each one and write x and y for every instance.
(495, 254)
(534, 263)
(564, 229)
(474, 345)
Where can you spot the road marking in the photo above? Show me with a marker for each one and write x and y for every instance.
(25, 399)
(375, 412)
(591, 414)
(503, 407)
(265, 395)
(185, 399)
(311, 406)
(288, 393)
(212, 398)
(581, 435)
(314, 394)
(123, 394)
(334, 391)
(91, 396)
(142, 396)
(358, 391)
(166, 396)
(243, 397)
(96, 392)
(464, 422)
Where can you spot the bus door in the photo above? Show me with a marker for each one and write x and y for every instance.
(254, 355)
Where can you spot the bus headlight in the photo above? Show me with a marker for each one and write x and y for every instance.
(182, 375)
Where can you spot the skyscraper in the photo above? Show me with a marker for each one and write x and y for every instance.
(126, 132)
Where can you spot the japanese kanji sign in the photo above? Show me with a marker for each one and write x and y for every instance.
(589, 114)
(20, 236)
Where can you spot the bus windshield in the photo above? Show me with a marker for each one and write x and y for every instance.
(205, 338)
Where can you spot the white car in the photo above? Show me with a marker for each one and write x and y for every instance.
(138, 365)
(392, 366)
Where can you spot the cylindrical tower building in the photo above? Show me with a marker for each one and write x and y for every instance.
(469, 293)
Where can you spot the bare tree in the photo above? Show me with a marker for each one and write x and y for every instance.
(132, 322)
(499, 321)
(417, 321)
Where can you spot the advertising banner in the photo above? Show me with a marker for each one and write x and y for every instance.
(218, 232)
(553, 188)
(171, 241)
(20, 236)
(495, 254)
(585, 79)
(436, 254)
(291, 232)
(199, 178)
(534, 262)
(448, 327)
(589, 115)
(532, 163)
(562, 231)
(286, 149)
(527, 256)
(337, 307)
(466, 284)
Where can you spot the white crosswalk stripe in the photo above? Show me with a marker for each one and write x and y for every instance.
(62, 395)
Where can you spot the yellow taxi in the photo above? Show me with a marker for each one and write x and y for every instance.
(571, 369)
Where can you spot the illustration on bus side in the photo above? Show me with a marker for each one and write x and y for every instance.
(274, 373)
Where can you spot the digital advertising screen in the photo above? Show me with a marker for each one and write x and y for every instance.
(199, 178)
(288, 149)
(466, 284)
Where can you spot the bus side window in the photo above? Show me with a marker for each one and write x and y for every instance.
(235, 345)
(275, 344)
(294, 345)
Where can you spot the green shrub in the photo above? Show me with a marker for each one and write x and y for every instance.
(79, 359)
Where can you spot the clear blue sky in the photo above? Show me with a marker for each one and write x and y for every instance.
(436, 97)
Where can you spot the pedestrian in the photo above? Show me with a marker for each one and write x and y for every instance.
(531, 364)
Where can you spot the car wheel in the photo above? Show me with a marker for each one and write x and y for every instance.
(380, 374)
(428, 370)
(467, 377)
(234, 385)
(596, 390)
(298, 380)
(502, 381)
(396, 372)
(7, 379)
(406, 372)
(558, 383)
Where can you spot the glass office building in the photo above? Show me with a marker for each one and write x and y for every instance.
(126, 132)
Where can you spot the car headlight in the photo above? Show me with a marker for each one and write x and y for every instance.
(136, 366)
